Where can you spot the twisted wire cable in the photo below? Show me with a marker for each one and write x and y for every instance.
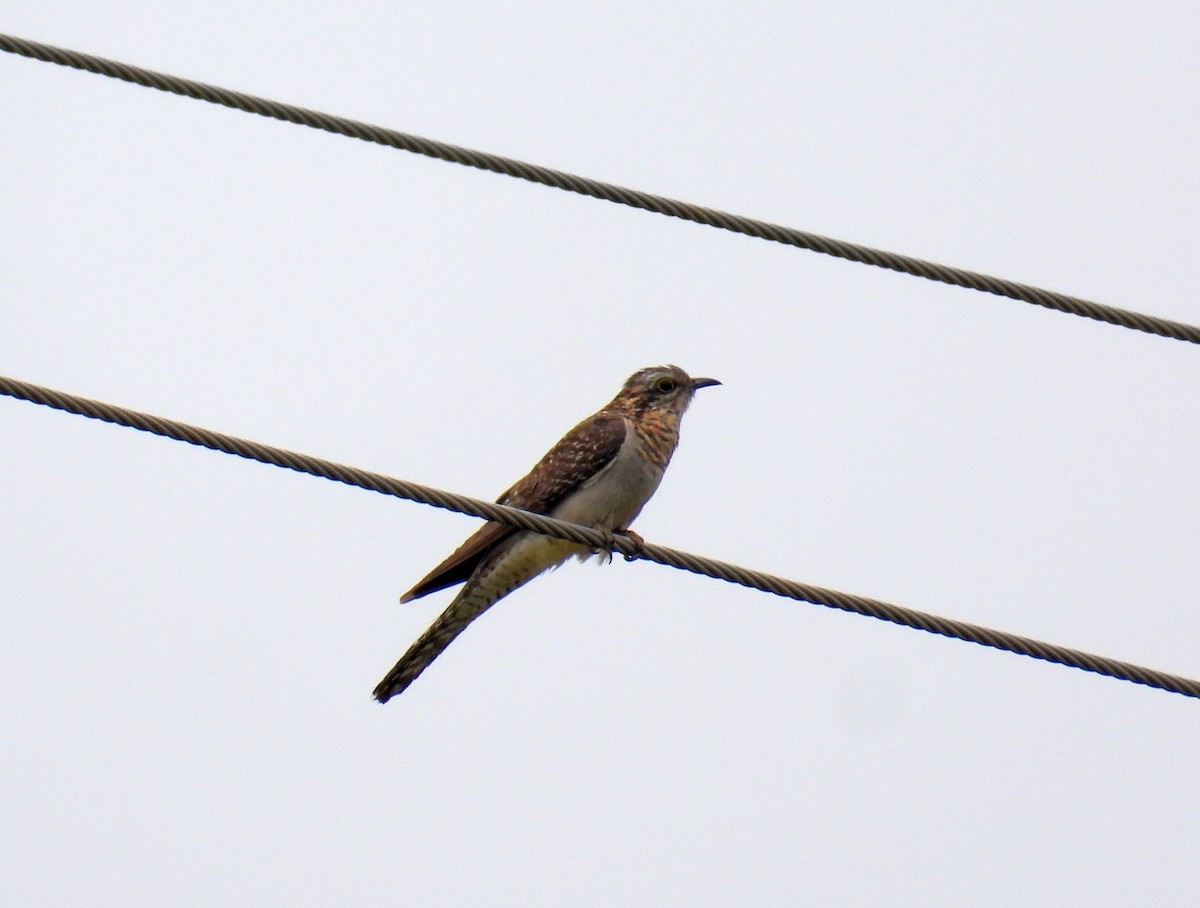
(696, 564)
(607, 191)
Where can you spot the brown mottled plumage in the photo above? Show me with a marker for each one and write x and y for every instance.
(600, 474)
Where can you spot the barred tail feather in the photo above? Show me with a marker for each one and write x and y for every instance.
(430, 645)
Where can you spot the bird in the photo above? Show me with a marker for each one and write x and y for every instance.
(600, 474)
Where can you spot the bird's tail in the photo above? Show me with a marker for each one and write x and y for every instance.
(462, 611)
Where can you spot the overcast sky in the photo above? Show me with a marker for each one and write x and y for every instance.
(190, 640)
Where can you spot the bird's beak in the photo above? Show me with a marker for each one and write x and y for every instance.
(703, 383)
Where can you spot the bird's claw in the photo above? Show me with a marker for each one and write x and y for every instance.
(609, 548)
(638, 544)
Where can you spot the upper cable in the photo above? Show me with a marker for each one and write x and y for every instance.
(634, 198)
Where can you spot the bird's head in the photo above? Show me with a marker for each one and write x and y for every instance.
(659, 388)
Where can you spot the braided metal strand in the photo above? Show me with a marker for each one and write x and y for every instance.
(607, 191)
(708, 567)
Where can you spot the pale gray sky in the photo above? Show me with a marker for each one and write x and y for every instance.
(190, 640)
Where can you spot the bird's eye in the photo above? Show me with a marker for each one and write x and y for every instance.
(664, 385)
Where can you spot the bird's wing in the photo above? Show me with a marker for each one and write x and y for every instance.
(578, 457)
(582, 454)
(459, 566)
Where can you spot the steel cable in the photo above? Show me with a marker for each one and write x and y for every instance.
(607, 191)
(696, 564)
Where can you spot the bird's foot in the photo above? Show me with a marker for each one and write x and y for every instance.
(609, 548)
(610, 545)
(638, 544)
